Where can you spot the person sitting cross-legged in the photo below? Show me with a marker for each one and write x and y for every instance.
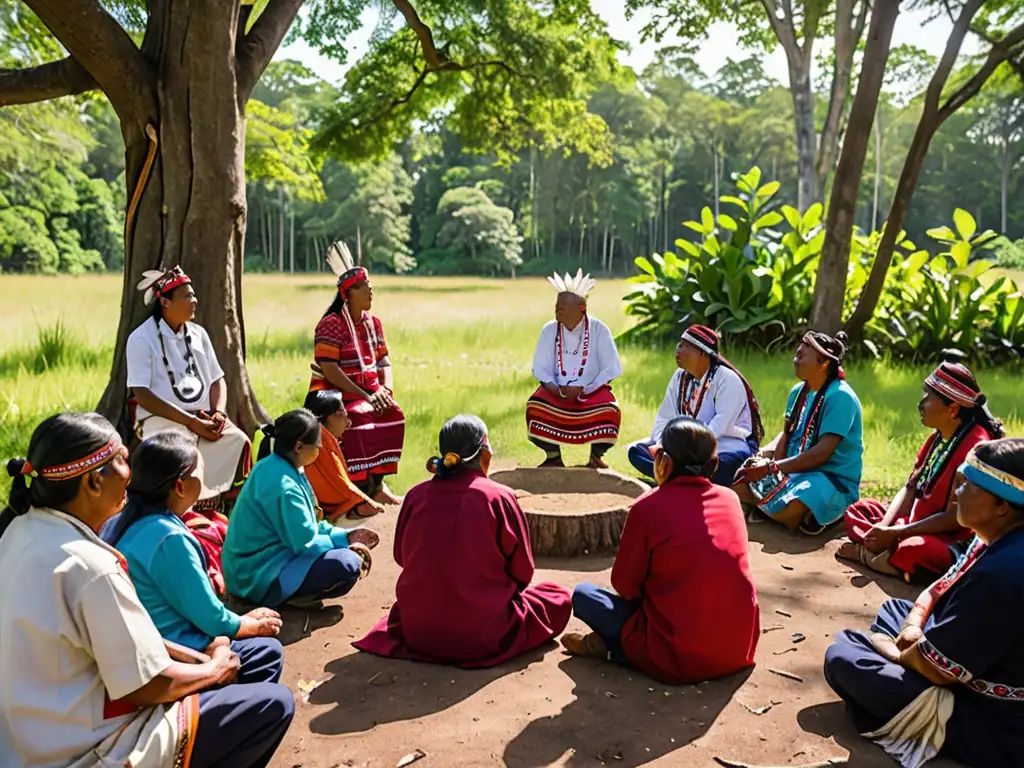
(464, 595)
(685, 605)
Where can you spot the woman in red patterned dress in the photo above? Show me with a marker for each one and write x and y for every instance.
(351, 356)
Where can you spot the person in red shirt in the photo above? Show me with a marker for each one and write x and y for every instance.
(464, 595)
(918, 533)
(686, 606)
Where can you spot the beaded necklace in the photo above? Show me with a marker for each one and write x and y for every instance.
(192, 385)
(938, 456)
(810, 426)
(371, 338)
(690, 389)
(584, 340)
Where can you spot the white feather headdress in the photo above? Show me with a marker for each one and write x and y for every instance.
(153, 281)
(339, 258)
(580, 285)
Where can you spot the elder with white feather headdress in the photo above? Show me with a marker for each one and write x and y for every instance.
(351, 357)
(178, 385)
(575, 362)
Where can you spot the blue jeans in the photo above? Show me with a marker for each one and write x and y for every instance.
(728, 462)
(333, 574)
(606, 613)
(242, 724)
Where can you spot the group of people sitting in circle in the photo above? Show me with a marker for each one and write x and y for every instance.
(118, 640)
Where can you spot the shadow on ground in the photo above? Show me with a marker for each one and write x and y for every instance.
(619, 718)
(775, 539)
(369, 690)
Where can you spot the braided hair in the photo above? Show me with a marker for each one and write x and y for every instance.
(832, 349)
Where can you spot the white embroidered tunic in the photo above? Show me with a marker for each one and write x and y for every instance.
(602, 364)
(724, 410)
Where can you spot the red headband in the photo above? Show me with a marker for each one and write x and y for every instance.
(942, 381)
(172, 279)
(354, 276)
(79, 466)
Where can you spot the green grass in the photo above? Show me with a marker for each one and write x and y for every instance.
(458, 345)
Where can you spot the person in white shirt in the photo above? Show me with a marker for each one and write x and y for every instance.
(708, 388)
(575, 362)
(178, 384)
(87, 679)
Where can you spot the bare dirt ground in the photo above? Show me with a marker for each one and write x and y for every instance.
(548, 709)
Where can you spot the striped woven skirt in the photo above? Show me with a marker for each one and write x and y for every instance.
(373, 442)
(593, 418)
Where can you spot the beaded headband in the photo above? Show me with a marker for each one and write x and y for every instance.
(703, 338)
(942, 382)
(79, 466)
(1001, 484)
(357, 274)
(812, 341)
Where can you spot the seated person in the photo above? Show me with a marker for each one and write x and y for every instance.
(178, 384)
(810, 473)
(944, 676)
(575, 361)
(462, 541)
(87, 679)
(335, 492)
(686, 605)
(918, 533)
(168, 565)
(707, 387)
(276, 549)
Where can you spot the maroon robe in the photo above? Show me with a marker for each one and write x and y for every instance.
(683, 555)
(463, 596)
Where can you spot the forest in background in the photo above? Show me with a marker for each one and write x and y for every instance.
(659, 146)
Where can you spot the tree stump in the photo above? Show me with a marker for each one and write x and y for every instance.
(572, 525)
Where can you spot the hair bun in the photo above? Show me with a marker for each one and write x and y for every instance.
(982, 401)
(267, 430)
(842, 338)
(433, 463)
(15, 466)
(452, 460)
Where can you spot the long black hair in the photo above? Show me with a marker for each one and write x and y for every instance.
(323, 403)
(835, 346)
(461, 444)
(157, 464)
(1006, 455)
(60, 439)
(298, 426)
(692, 447)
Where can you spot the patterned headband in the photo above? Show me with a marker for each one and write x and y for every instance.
(1000, 484)
(78, 467)
(156, 283)
(952, 388)
(810, 339)
(703, 338)
(353, 277)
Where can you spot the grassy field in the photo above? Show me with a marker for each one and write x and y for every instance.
(458, 345)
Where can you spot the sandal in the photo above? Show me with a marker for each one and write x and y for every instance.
(590, 645)
(353, 514)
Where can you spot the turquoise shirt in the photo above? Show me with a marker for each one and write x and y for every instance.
(841, 416)
(167, 566)
(274, 533)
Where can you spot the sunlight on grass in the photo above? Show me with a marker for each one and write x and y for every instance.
(458, 345)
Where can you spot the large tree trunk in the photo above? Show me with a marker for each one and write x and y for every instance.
(830, 285)
(806, 139)
(193, 209)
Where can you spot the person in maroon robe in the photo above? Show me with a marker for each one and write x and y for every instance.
(462, 541)
(686, 608)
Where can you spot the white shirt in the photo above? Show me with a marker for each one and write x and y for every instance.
(146, 364)
(74, 636)
(602, 358)
(725, 410)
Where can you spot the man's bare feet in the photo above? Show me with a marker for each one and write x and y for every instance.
(384, 496)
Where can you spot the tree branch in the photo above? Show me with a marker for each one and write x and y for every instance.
(47, 81)
(435, 59)
(255, 50)
(785, 31)
(1016, 63)
(104, 50)
(1000, 52)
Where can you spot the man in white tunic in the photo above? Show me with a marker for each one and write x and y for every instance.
(178, 383)
(708, 388)
(575, 362)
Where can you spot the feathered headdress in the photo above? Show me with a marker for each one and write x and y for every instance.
(339, 259)
(580, 285)
(156, 282)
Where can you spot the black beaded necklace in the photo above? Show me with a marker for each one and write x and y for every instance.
(192, 385)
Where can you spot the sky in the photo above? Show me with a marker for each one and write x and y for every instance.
(711, 55)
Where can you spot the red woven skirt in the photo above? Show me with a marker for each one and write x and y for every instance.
(373, 443)
(593, 418)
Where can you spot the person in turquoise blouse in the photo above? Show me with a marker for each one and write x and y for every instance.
(807, 477)
(167, 564)
(277, 549)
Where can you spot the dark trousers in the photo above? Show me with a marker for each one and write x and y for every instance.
(554, 450)
(728, 462)
(606, 613)
(242, 724)
(333, 574)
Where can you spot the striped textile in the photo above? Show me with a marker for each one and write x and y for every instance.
(373, 442)
(594, 418)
